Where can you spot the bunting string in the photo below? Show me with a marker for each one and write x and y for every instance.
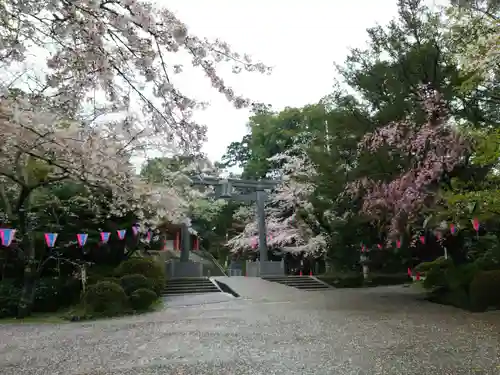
(7, 235)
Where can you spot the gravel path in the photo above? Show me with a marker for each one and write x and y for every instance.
(370, 331)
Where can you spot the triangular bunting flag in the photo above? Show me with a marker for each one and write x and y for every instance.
(475, 224)
(148, 236)
(398, 244)
(50, 239)
(409, 272)
(82, 239)
(135, 229)
(422, 239)
(7, 236)
(453, 229)
(121, 233)
(105, 236)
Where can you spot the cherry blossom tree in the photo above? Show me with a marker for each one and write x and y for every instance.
(432, 150)
(127, 49)
(99, 57)
(289, 213)
(475, 34)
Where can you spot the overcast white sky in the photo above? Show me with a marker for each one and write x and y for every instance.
(300, 39)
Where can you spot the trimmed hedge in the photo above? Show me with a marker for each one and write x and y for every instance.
(147, 267)
(356, 280)
(105, 298)
(131, 283)
(142, 299)
(483, 291)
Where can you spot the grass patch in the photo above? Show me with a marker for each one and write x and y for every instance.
(37, 318)
(76, 314)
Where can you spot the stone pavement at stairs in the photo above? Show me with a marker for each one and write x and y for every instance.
(256, 289)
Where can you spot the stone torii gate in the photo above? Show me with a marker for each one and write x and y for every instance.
(227, 189)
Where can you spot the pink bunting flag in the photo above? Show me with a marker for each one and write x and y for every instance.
(50, 239)
(148, 236)
(121, 233)
(105, 237)
(475, 224)
(422, 239)
(398, 244)
(379, 246)
(362, 248)
(453, 229)
(7, 236)
(82, 239)
(409, 272)
(135, 229)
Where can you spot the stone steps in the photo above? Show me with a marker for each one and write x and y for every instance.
(195, 285)
(299, 282)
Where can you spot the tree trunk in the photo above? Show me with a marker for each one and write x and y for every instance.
(28, 248)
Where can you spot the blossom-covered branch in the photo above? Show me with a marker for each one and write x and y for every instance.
(124, 48)
(433, 149)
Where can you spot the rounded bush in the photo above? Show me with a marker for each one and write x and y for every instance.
(483, 290)
(130, 283)
(105, 298)
(142, 298)
(152, 269)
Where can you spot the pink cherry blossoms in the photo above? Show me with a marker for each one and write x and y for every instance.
(41, 147)
(432, 149)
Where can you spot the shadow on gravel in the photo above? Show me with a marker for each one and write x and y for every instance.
(225, 288)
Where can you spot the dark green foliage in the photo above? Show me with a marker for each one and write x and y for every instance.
(448, 283)
(484, 290)
(147, 267)
(347, 281)
(131, 283)
(9, 298)
(142, 299)
(52, 294)
(356, 279)
(380, 279)
(106, 299)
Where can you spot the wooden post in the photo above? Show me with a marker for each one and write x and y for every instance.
(177, 242)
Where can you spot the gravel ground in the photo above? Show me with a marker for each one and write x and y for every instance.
(369, 331)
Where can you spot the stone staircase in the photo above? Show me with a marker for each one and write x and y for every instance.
(299, 282)
(192, 285)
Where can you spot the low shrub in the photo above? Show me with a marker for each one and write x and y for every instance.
(356, 279)
(131, 283)
(54, 293)
(142, 299)
(105, 298)
(152, 269)
(347, 280)
(96, 280)
(98, 273)
(381, 279)
(483, 290)
(9, 298)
